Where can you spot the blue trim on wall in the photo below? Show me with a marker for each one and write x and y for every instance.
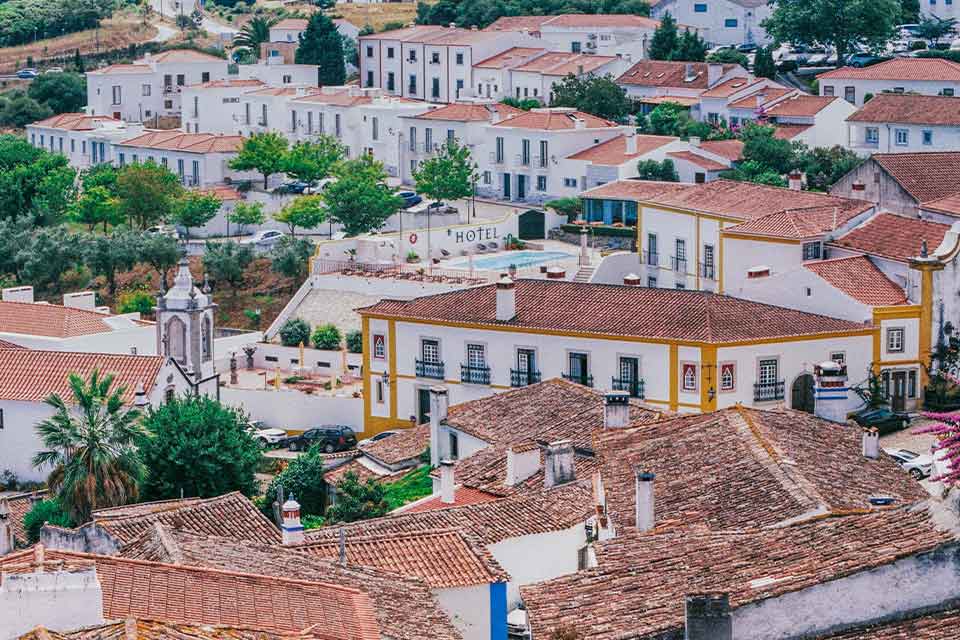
(498, 611)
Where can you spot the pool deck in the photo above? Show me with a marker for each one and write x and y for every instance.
(570, 264)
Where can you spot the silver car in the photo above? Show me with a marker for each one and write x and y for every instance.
(919, 466)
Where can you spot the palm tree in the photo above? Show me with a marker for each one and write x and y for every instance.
(91, 447)
(254, 33)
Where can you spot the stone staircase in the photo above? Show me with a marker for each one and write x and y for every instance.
(584, 274)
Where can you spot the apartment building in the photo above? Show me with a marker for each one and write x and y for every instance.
(84, 139)
(817, 121)
(653, 82)
(428, 62)
(198, 159)
(720, 22)
(926, 76)
(892, 123)
(524, 72)
(151, 87)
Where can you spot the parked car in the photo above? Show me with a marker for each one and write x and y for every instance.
(164, 230)
(54, 70)
(864, 59)
(266, 435)
(330, 437)
(292, 187)
(410, 198)
(266, 236)
(27, 74)
(318, 187)
(885, 420)
(919, 466)
(380, 436)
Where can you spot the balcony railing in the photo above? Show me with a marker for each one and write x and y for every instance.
(520, 378)
(631, 386)
(707, 271)
(651, 258)
(495, 159)
(767, 391)
(584, 379)
(474, 374)
(430, 369)
(678, 264)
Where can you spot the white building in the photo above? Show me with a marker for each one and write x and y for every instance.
(891, 123)
(150, 87)
(817, 121)
(720, 22)
(198, 159)
(216, 107)
(625, 35)
(926, 76)
(653, 82)
(85, 140)
(525, 72)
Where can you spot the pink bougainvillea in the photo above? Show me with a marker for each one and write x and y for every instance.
(946, 428)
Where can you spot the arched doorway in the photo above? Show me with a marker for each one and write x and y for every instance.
(801, 394)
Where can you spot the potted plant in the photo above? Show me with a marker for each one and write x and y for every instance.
(412, 257)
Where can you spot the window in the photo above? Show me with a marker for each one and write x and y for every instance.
(369, 78)
(476, 356)
(927, 135)
(689, 376)
(117, 94)
(179, 167)
(412, 86)
(246, 113)
(375, 128)
(205, 76)
(487, 177)
(145, 90)
(947, 91)
(652, 282)
(459, 87)
(524, 152)
(680, 285)
(708, 264)
(428, 139)
(293, 121)
(451, 136)
(379, 346)
(728, 377)
(541, 183)
(435, 88)
(652, 258)
(287, 79)
(370, 51)
(413, 138)
(872, 135)
(73, 145)
(827, 90)
(195, 165)
(391, 83)
(575, 47)
(459, 58)
(379, 391)
(850, 94)
(413, 55)
(700, 8)
(811, 251)
(435, 57)
(898, 89)
(895, 340)
(430, 351)
(543, 153)
(570, 183)
(336, 124)
(579, 368)
(122, 159)
(390, 53)
(310, 122)
(730, 23)
(838, 356)
(901, 137)
(911, 384)
(499, 147)
(768, 371)
(181, 80)
(263, 115)
(454, 445)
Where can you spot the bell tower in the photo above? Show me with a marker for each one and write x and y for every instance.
(185, 316)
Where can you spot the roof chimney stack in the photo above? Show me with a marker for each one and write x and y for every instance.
(6, 529)
(795, 180)
(521, 464)
(17, 294)
(644, 500)
(438, 414)
(631, 280)
(871, 443)
(506, 299)
(707, 617)
(140, 396)
(694, 141)
(447, 488)
(630, 139)
(616, 410)
(559, 465)
(291, 530)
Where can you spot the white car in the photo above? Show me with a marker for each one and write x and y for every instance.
(266, 236)
(378, 437)
(266, 435)
(917, 465)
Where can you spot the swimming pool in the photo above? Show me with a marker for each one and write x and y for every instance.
(518, 258)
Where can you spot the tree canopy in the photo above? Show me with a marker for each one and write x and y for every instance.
(195, 209)
(448, 175)
(361, 200)
(306, 212)
(321, 44)
(597, 95)
(62, 92)
(313, 160)
(357, 500)
(261, 152)
(147, 193)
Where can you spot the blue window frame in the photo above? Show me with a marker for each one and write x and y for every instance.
(700, 7)
(730, 23)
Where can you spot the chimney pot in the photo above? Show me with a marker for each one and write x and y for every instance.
(693, 141)
(871, 443)
(556, 273)
(616, 410)
(644, 500)
(630, 142)
(559, 465)
(631, 280)
(707, 617)
(506, 299)
(291, 530)
(447, 487)
(795, 180)
(438, 414)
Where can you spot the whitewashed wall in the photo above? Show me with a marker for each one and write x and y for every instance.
(286, 409)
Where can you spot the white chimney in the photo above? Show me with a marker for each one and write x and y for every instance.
(688, 74)
(6, 529)
(140, 395)
(795, 180)
(694, 141)
(616, 410)
(714, 73)
(291, 530)
(506, 299)
(438, 414)
(17, 294)
(447, 488)
(521, 465)
(630, 138)
(85, 300)
(559, 464)
(644, 499)
(871, 443)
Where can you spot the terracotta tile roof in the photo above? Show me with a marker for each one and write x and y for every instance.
(729, 87)
(518, 23)
(226, 84)
(638, 588)
(553, 120)
(73, 121)
(753, 468)
(730, 149)
(913, 172)
(909, 109)
(194, 595)
(230, 515)
(509, 58)
(797, 224)
(931, 625)
(891, 236)
(444, 559)
(469, 112)
(337, 99)
(186, 142)
(614, 310)
(50, 320)
(124, 68)
(768, 93)
(929, 69)
(225, 192)
(683, 101)
(20, 505)
(789, 131)
(299, 24)
(146, 629)
(403, 604)
(401, 447)
(461, 497)
(949, 205)
(698, 160)
(628, 20)
(660, 73)
(406, 33)
(362, 472)
(560, 63)
(180, 56)
(29, 375)
(799, 104)
(613, 152)
(860, 279)
(737, 200)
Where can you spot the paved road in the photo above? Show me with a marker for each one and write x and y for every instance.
(169, 9)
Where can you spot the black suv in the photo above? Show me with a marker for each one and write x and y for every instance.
(330, 437)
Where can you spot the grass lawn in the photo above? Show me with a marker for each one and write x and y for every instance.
(413, 486)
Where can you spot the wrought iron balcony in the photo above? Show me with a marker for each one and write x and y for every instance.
(520, 378)
(631, 386)
(474, 375)
(678, 264)
(768, 391)
(429, 369)
(708, 271)
(651, 258)
(584, 379)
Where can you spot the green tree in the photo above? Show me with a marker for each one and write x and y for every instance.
(198, 447)
(226, 262)
(357, 500)
(690, 48)
(19, 110)
(934, 28)
(909, 12)
(327, 337)
(653, 170)
(597, 95)
(35, 186)
(96, 206)
(101, 175)
(51, 254)
(90, 447)
(137, 301)
(78, 65)
(161, 252)
(665, 39)
(761, 145)
(253, 34)
(294, 331)
(261, 152)
(729, 55)
(360, 200)
(147, 193)
(763, 64)
(16, 151)
(671, 119)
(321, 44)
(14, 238)
(753, 171)
(303, 477)
(306, 212)
(354, 341)
(43, 512)
(290, 257)
(841, 24)
(311, 161)
(247, 213)
(107, 255)
(570, 207)
(195, 209)
(522, 103)
(448, 175)
(824, 167)
(61, 92)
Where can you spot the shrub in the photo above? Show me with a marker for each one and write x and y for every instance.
(138, 301)
(327, 337)
(294, 331)
(303, 478)
(917, 45)
(42, 512)
(355, 341)
(570, 207)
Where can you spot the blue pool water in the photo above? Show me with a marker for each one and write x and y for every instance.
(519, 258)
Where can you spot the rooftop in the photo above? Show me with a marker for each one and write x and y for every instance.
(913, 172)
(660, 73)
(534, 24)
(613, 152)
(469, 112)
(766, 94)
(559, 63)
(730, 149)
(187, 142)
(799, 105)
(614, 310)
(949, 205)
(553, 119)
(73, 121)
(705, 163)
(891, 236)
(299, 24)
(510, 57)
(860, 279)
(909, 109)
(934, 625)
(729, 87)
(50, 320)
(20, 505)
(789, 131)
(928, 69)
(146, 629)
(228, 83)
(180, 56)
(797, 224)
